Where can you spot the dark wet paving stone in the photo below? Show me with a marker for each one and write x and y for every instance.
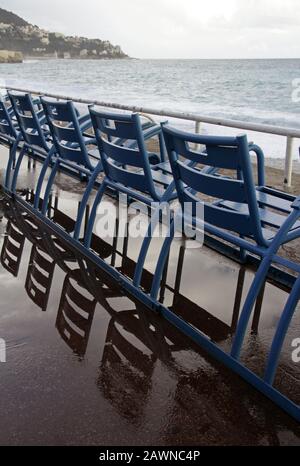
(86, 365)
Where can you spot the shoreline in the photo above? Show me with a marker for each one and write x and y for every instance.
(39, 58)
(279, 164)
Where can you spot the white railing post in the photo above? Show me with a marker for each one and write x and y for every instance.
(288, 172)
(197, 131)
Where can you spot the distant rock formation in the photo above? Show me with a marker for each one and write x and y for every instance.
(31, 41)
(8, 56)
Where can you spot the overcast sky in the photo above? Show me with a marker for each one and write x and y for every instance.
(175, 28)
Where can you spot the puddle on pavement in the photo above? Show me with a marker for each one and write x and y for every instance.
(88, 365)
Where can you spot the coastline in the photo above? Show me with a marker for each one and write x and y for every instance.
(278, 164)
(51, 58)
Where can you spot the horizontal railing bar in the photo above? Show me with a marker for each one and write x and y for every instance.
(195, 117)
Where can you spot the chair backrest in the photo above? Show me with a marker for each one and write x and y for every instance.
(64, 126)
(7, 129)
(12, 249)
(75, 314)
(29, 116)
(122, 149)
(228, 153)
(39, 277)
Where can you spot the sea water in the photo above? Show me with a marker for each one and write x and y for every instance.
(256, 91)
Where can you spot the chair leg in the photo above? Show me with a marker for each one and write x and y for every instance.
(281, 332)
(148, 238)
(17, 169)
(144, 249)
(42, 175)
(165, 250)
(11, 165)
(49, 187)
(238, 299)
(162, 147)
(252, 296)
(85, 200)
(243, 254)
(13, 155)
(89, 231)
(258, 282)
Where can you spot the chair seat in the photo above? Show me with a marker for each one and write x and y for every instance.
(164, 167)
(159, 177)
(274, 201)
(267, 217)
(94, 154)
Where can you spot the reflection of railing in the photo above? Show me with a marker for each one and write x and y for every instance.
(289, 133)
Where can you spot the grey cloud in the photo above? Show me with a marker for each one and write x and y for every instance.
(176, 28)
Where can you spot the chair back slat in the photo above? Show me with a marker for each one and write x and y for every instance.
(221, 156)
(207, 184)
(118, 129)
(122, 155)
(65, 134)
(71, 154)
(75, 315)
(135, 181)
(59, 111)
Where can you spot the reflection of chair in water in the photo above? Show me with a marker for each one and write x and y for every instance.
(24, 222)
(256, 221)
(76, 313)
(201, 318)
(136, 338)
(12, 249)
(126, 369)
(204, 320)
(39, 277)
(190, 311)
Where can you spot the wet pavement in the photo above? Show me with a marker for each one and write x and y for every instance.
(87, 365)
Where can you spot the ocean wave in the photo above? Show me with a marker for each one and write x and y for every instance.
(252, 91)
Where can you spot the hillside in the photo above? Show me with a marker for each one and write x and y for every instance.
(16, 34)
(7, 17)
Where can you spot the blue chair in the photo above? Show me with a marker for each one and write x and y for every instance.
(72, 150)
(243, 215)
(34, 134)
(67, 150)
(9, 132)
(127, 165)
(31, 121)
(34, 130)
